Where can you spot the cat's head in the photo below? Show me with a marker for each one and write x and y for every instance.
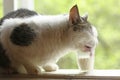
(84, 34)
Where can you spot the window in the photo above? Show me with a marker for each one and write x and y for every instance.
(105, 16)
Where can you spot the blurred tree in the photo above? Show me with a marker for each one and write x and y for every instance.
(1, 8)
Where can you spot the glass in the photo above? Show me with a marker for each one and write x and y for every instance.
(85, 61)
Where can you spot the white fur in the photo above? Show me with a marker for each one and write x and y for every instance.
(52, 41)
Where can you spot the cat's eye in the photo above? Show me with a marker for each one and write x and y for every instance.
(78, 28)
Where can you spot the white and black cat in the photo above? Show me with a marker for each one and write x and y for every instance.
(41, 40)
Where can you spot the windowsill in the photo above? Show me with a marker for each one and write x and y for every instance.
(67, 74)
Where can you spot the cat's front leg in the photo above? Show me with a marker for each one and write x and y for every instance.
(50, 67)
(32, 69)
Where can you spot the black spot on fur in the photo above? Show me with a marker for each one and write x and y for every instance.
(22, 35)
(4, 60)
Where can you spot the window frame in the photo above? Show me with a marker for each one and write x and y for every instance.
(67, 74)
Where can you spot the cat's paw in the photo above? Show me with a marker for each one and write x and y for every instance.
(50, 67)
(34, 71)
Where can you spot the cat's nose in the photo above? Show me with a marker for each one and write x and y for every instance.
(87, 48)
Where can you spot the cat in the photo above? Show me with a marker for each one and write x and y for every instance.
(4, 60)
(40, 41)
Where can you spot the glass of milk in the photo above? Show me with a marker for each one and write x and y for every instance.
(85, 61)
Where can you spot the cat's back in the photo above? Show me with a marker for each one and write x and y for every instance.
(20, 13)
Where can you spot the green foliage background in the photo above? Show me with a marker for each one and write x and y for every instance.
(104, 14)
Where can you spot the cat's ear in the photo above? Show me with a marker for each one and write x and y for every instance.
(85, 16)
(74, 17)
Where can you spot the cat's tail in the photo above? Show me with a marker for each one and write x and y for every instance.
(5, 63)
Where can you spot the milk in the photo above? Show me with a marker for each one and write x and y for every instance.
(85, 61)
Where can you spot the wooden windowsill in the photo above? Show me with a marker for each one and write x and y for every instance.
(67, 74)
